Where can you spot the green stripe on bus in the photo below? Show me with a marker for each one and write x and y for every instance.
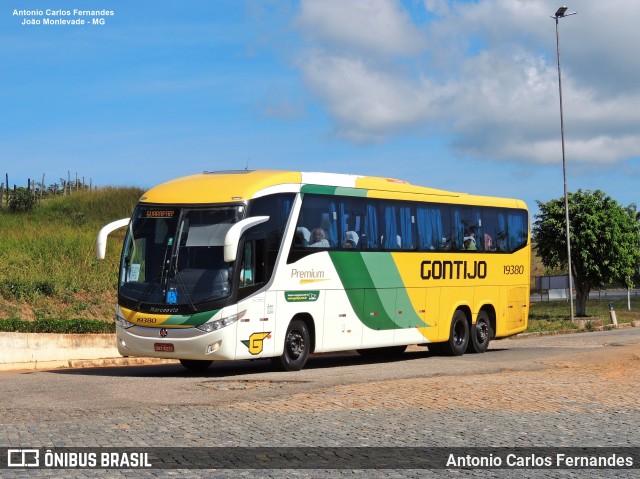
(318, 189)
(360, 290)
(344, 191)
(386, 277)
(375, 290)
(191, 319)
(333, 190)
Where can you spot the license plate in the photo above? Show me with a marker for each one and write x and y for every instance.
(164, 347)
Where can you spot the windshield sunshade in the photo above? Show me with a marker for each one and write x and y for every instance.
(174, 256)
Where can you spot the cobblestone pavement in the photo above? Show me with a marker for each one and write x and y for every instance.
(577, 390)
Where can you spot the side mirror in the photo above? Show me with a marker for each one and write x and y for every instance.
(101, 240)
(232, 238)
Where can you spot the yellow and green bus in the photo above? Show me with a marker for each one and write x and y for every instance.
(244, 264)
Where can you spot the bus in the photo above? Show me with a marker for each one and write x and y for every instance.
(232, 265)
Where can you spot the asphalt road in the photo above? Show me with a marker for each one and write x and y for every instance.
(567, 390)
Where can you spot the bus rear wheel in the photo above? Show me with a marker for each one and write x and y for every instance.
(458, 335)
(297, 345)
(195, 364)
(480, 334)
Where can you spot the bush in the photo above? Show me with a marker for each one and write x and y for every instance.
(22, 289)
(64, 326)
(22, 200)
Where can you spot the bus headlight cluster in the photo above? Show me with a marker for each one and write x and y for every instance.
(123, 323)
(221, 323)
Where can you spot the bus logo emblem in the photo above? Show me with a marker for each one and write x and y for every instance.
(164, 333)
(255, 342)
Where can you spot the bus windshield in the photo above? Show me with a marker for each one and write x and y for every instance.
(174, 255)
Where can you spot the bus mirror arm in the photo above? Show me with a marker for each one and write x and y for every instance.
(232, 238)
(101, 240)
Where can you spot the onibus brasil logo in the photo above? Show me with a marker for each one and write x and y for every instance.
(255, 342)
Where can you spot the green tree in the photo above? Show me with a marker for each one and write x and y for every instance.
(605, 241)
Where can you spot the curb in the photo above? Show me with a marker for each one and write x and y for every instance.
(41, 351)
(84, 363)
(29, 351)
(606, 327)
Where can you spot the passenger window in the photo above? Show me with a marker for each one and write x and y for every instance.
(517, 223)
(398, 227)
(316, 219)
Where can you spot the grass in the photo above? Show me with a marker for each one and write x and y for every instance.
(49, 270)
(555, 315)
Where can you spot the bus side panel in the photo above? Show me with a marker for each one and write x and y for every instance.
(517, 309)
(432, 314)
(379, 313)
(486, 296)
(501, 313)
(342, 326)
(452, 298)
(411, 316)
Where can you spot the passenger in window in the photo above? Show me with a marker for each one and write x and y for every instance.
(488, 242)
(301, 238)
(351, 240)
(470, 240)
(318, 240)
(502, 242)
(447, 244)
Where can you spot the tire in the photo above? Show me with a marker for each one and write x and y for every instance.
(458, 335)
(389, 352)
(297, 345)
(195, 364)
(480, 334)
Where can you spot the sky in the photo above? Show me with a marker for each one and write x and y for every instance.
(457, 95)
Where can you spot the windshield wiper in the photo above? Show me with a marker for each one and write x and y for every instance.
(177, 275)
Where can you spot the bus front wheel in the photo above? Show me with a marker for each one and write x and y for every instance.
(195, 364)
(480, 334)
(458, 335)
(297, 345)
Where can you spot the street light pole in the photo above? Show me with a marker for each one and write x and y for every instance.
(561, 13)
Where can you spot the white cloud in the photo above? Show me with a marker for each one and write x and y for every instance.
(439, 7)
(373, 27)
(486, 70)
(366, 103)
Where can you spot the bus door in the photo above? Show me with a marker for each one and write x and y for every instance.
(256, 327)
(250, 342)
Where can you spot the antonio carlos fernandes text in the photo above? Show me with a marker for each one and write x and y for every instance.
(559, 460)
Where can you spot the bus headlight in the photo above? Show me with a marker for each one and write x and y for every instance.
(220, 323)
(123, 323)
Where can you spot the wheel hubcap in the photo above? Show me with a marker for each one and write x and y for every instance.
(458, 334)
(295, 344)
(482, 332)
